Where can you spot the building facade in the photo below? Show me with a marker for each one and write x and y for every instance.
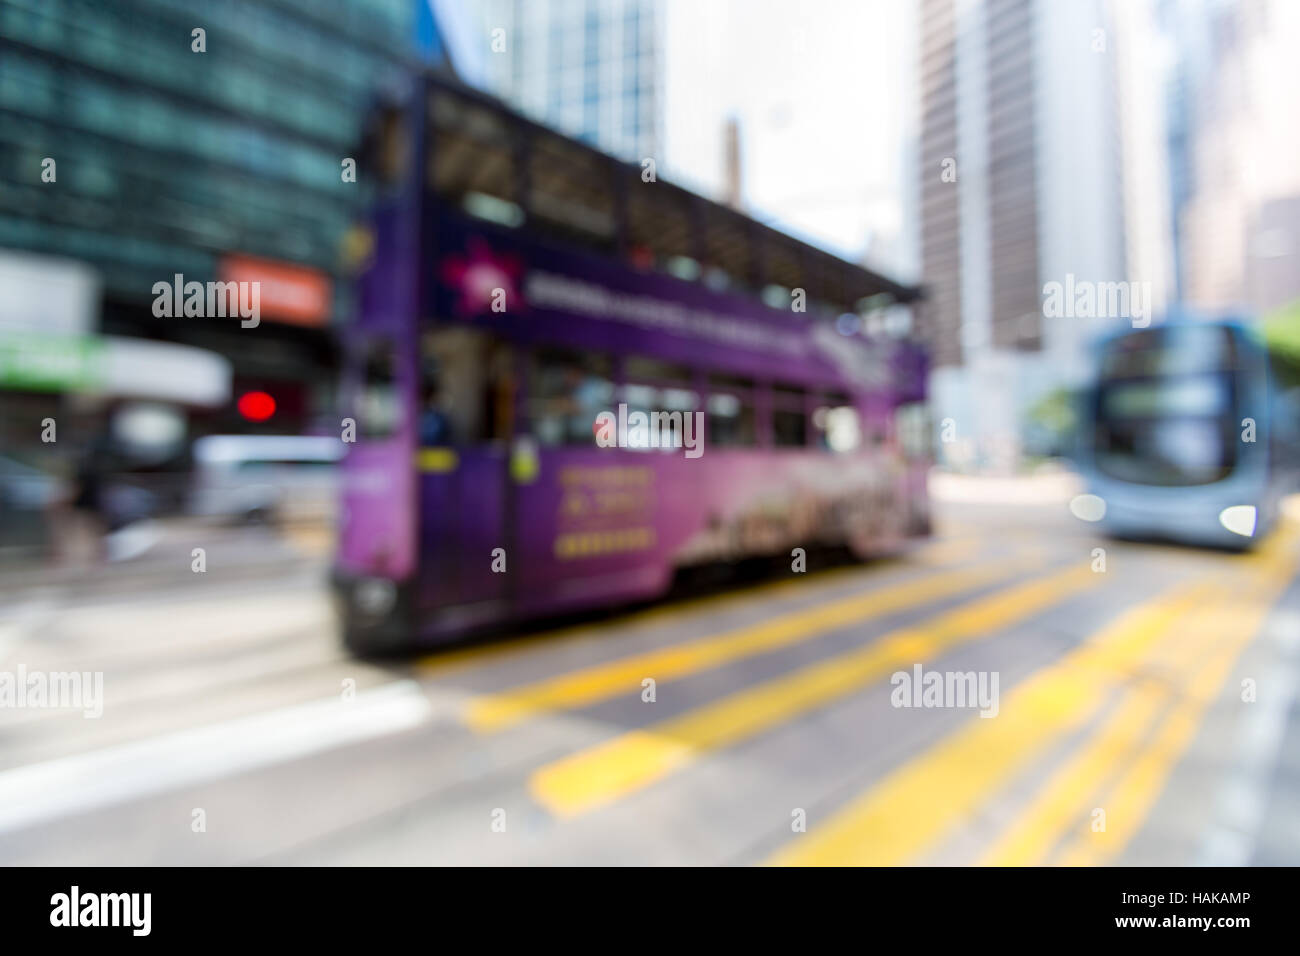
(590, 68)
(1238, 232)
(149, 139)
(1033, 172)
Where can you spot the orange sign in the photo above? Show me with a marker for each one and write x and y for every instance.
(297, 295)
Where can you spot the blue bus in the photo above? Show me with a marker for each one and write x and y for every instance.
(1184, 436)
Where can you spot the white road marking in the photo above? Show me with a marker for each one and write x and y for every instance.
(58, 788)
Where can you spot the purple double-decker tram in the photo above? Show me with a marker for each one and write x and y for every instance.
(520, 289)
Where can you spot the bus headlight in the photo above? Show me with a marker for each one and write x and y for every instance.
(1239, 519)
(1088, 507)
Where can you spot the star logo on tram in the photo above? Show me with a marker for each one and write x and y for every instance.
(476, 276)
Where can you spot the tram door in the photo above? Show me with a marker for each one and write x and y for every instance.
(465, 418)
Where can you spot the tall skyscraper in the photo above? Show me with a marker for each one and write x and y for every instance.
(590, 68)
(1240, 237)
(1036, 168)
(1185, 27)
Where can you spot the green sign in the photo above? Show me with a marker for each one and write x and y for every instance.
(30, 361)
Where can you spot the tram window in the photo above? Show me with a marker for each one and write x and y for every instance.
(789, 417)
(568, 390)
(912, 422)
(789, 428)
(653, 398)
(653, 385)
(837, 425)
(474, 155)
(656, 386)
(638, 368)
(378, 405)
(466, 388)
(730, 411)
(572, 192)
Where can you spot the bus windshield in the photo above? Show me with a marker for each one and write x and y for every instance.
(1166, 408)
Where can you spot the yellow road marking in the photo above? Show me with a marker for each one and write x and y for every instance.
(1066, 798)
(910, 810)
(443, 662)
(623, 676)
(913, 807)
(1070, 793)
(601, 774)
(1128, 804)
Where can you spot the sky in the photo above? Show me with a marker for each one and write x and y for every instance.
(821, 91)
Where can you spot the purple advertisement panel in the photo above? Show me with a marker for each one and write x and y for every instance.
(618, 521)
(532, 292)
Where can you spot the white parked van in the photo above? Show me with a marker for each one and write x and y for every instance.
(265, 477)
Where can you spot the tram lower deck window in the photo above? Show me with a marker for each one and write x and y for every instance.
(568, 389)
(466, 388)
(730, 412)
(789, 417)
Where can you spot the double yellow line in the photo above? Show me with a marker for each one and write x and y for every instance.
(1227, 629)
(590, 685)
(614, 769)
(1176, 648)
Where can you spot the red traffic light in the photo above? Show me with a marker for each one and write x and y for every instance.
(256, 406)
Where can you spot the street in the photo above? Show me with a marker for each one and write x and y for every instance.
(1136, 705)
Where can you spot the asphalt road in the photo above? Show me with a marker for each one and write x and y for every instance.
(1141, 714)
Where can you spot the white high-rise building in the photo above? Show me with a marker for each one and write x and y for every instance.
(1241, 233)
(590, 68)
(1041, 158)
